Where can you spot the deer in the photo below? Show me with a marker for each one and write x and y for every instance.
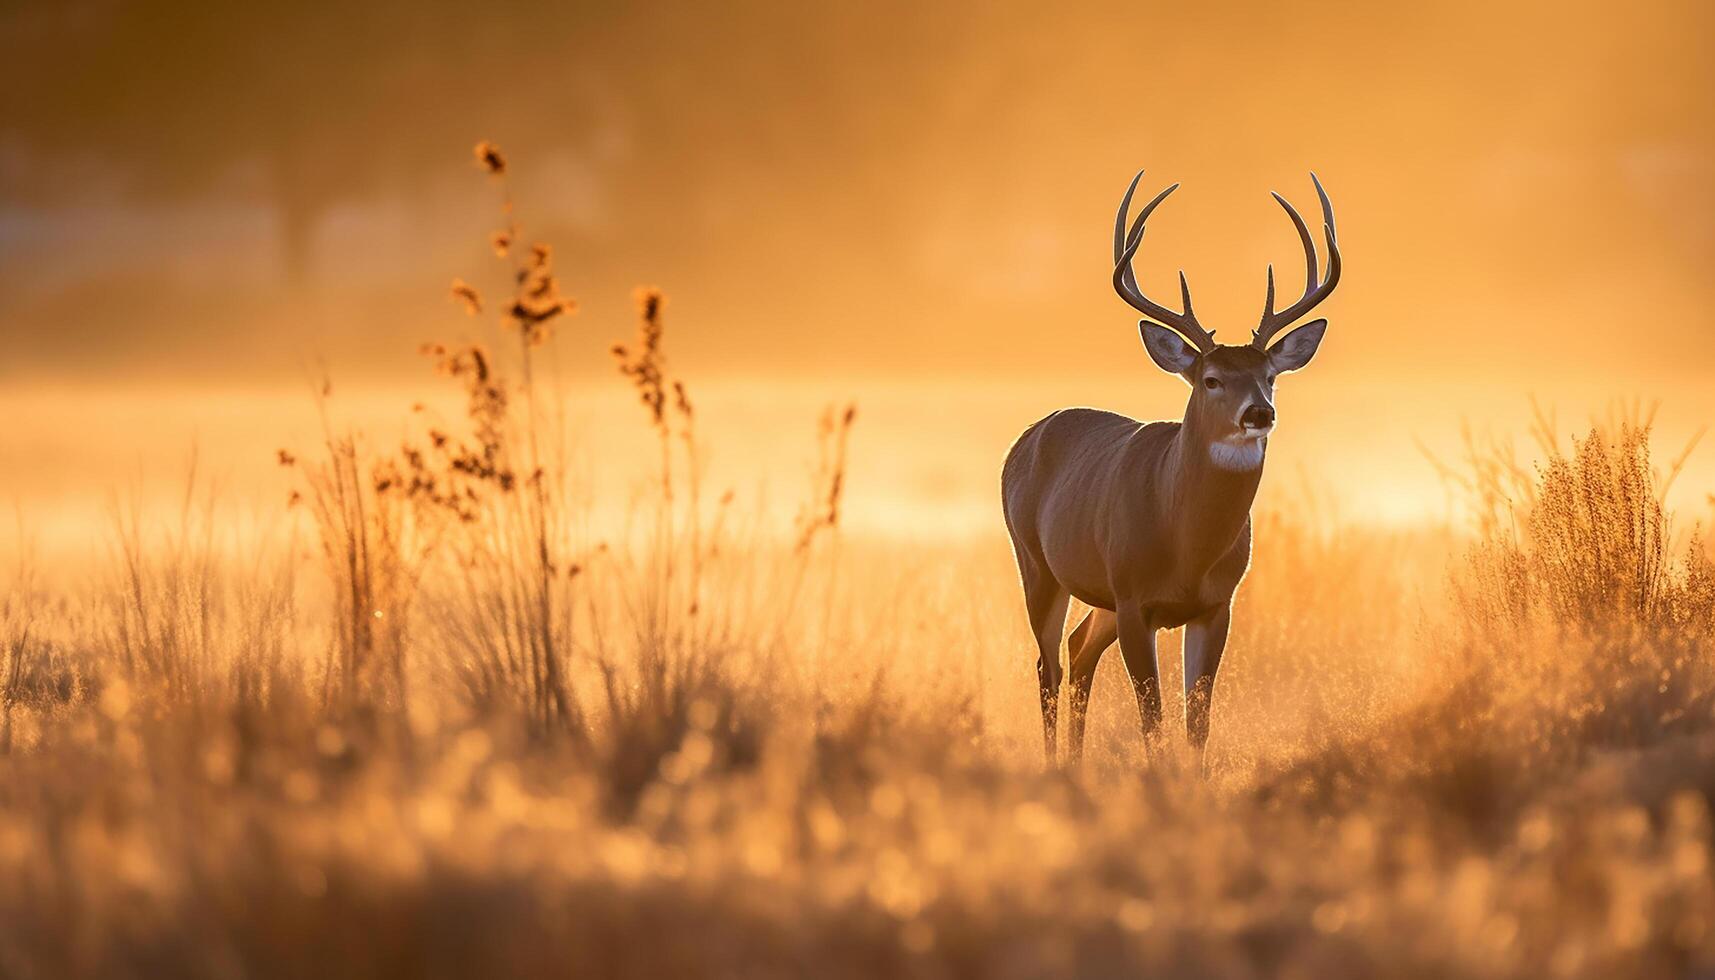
(1148, 523)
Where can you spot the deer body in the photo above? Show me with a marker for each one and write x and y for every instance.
(1149, 523)
(1097, 495)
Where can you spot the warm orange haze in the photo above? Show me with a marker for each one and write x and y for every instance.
(593, 553)
(906, 207)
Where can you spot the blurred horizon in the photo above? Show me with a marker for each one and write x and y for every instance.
(905, 205)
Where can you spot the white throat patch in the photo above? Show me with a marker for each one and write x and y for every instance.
(1244, 454)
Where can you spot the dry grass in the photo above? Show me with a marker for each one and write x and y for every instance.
(689, 746)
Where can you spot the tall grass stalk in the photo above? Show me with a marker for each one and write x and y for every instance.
(507, 614)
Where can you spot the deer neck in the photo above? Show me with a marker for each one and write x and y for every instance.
(1212, 485)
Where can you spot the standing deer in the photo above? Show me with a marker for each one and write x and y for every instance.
(1149, 523)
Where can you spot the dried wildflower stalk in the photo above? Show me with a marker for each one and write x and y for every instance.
(671, 415)
(509, 616)
(822, 512)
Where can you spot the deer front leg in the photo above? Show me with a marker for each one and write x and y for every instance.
(1205, 641)
(1137, 646)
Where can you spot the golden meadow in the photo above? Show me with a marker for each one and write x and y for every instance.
(438, 720)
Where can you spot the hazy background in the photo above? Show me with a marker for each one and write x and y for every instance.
(906, 204)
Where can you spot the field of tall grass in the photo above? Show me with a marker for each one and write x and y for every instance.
(440, 722)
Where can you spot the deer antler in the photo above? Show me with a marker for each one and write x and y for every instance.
(1125, 283)
(1314, 292)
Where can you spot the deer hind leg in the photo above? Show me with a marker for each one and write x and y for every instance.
(1084, 650)
(1046, 603)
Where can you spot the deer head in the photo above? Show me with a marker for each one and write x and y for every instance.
(1232, 386)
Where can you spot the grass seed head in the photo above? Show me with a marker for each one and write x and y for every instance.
(489, 158)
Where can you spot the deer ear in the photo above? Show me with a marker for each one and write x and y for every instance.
(1295, 350)
(1167, 349)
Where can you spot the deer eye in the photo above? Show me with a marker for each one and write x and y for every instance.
(1212, 383)
(1271, 379)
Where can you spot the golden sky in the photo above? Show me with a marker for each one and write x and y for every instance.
(905, 203)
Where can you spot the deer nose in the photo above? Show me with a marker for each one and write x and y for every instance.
(1257, 417)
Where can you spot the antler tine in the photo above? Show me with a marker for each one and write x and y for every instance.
(1305, 239)
(1314, 291)
(1185, 297)
(1327, 206)
(1120, 236)
(1125, 281)
(1123, 237)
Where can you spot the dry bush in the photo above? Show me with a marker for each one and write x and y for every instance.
(1573, 632)
(1587, 547)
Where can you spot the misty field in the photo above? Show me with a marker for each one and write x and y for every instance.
(437, 719)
